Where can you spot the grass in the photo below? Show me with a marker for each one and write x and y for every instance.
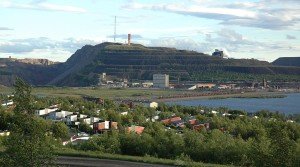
(98, 92)
(136, 93)
(145, 159)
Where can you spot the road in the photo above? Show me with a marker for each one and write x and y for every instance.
(94, 162)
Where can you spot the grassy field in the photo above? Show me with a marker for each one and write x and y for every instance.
(136, 93)
(98, 92)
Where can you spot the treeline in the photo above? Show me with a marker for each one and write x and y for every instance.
(224, 76)
(260, 139)
(268, 140)
(244, 143)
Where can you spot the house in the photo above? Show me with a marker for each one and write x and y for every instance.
(82, 116)
(45, 111)
(224, 87)
(137, 129)
(192, 121)
(153, 105)
(58, 115)
(95, 119)
(225, 114)
(147, 84)
(8, 103)
(102, 126)
(71, 119)
(170, 120)
(178, 123)
(124, 113)
(201, 126)
(214, 112)
(87, 120)
(4, 133)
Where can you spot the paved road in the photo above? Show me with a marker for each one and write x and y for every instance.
(94, 162)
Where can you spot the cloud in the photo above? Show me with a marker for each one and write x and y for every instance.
(17, 46)
(225, 39)
(42, 5)
(5, 28)
(290, 37)
(261, 14)
(184, 43)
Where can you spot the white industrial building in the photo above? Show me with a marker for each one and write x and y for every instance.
(160, 80)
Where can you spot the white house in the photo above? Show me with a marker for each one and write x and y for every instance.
(153, 105)
(71, 118)
(82, 116)
(94, 119)
(8, 103)
(58, 115)
(214, 112)
(124, 113)
(87, 120)
(45, 111)
(226, 114)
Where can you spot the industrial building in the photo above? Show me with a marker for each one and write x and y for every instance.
(218, 53)
(160, 80)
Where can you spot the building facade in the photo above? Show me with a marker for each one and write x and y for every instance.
(160, 80)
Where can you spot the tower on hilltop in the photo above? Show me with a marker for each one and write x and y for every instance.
(129, 39)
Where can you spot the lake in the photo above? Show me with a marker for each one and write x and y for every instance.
(288, 105)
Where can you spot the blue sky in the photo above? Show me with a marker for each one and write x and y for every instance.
(54, 29)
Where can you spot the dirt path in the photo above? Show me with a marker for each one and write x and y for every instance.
(94, 162)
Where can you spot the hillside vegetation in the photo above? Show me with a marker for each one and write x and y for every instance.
(137, 62)
(287, 61)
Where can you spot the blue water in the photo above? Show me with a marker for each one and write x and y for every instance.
(287, 105)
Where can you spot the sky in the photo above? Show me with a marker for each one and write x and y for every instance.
(55, 29)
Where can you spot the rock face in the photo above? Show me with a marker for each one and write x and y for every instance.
(44, 62)
(287, 61)
(129, 61)
(36, 72)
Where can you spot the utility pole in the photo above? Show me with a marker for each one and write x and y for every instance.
(115, 30)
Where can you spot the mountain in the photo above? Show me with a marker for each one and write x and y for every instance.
(287, 61)
(34, 71)
(137, 62)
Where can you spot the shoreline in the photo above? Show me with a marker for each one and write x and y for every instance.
(235, 95)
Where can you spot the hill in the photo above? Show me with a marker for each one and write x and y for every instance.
(287, 61)
(35, 72)
(137, 62)
(140, 63)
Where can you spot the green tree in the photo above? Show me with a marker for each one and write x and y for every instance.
(84, 127)
(5, 119)
(23, 98)
(60, 130)
(29, 143)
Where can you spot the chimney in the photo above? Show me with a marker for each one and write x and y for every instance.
(129, 39)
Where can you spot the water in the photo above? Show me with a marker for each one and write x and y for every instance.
(288, 105)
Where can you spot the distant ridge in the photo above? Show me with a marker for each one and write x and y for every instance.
(139, 62)
(133, 62)
(287, 61)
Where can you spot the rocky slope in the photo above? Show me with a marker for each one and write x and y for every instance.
(287, 61)
(131, 62)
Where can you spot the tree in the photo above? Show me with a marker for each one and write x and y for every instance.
(29, 143)
(22, 98)
(84, 127)
(60, 130)
(282, 147)
(5, 119)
